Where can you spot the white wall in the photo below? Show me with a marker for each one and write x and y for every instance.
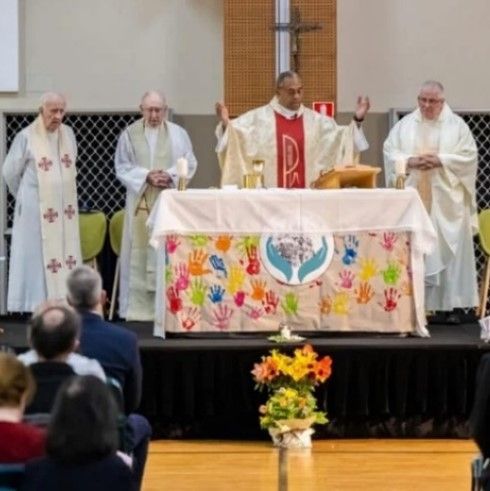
(106, 53)
(387, 48)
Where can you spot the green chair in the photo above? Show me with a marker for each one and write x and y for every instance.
(115, 235)
(93, 230)
(484, 236)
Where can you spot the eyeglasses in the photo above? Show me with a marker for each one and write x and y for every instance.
(428, 100)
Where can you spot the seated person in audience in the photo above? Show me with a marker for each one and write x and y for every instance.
(54, 334)
(82, 443)
(19, 442)
(115, 348)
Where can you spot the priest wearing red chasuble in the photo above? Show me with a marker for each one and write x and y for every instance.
(295, 142)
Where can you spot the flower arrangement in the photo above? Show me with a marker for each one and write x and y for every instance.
(290, 381)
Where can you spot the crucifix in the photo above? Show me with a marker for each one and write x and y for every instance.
(288, 29)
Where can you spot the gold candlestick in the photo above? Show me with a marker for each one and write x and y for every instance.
(400, 181)
(182, 184)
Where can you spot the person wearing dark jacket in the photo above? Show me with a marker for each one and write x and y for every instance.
(117, 351)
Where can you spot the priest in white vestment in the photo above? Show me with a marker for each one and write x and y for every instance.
(437, 150)
(40, 172)
(295, 142)
(146, 163)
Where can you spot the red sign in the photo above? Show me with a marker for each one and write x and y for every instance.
(327, 108)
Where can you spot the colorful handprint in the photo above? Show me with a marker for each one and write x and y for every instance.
(406, 288)
(239, 298)
(391, 299)
(196, 261)
(325, 305)
(198, 292)
(351, 245)
(182, 276)
(389, 240)
(218, 265)
(223, 242)
(258, 289)
(364, 293)
(270, 302)
(254, 312)
(253, 266)
(199, 240)
(340, 303)
(290, 303)
(222, 316)
(188, 318)
(236, 277)
(168, 274)
(369, 268)
(216, 293)
(392, 273)
(174, 302)
(246, 242)
(172, 243)
(346, 279)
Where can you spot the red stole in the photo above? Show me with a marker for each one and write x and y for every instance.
(290, 140)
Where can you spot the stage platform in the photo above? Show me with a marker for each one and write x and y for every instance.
(381, 385)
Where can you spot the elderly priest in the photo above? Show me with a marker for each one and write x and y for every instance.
(146, 162)
(437, 150)
(40, 172)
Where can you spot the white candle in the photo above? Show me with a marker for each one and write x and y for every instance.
(286, 332)
(400, 167)
(182, 167)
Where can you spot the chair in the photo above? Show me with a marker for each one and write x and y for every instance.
(93, 229)
(49, 376)
(11, 476)
(123, 428)
(115, 235)
(116, 391)
(484, 236)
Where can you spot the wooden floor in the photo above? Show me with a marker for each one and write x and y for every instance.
(366, 465)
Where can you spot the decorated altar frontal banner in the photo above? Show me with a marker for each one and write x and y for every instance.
(329, 282)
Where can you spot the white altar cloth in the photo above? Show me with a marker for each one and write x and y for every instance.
(212, 211)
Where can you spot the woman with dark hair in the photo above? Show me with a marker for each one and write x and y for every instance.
(81, 443)
(19, 442)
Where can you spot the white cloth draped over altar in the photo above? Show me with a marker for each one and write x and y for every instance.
(281, 211)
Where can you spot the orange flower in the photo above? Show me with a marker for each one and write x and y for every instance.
(323, 368)
(266, 371)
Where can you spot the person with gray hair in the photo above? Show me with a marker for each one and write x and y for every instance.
(40, 173)
(116, 348)
(85, 290)
(146, 163)
(434, 147)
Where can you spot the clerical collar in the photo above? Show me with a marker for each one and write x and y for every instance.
(284, 111)
(289, 113)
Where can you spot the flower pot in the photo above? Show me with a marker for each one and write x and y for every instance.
(291, 439)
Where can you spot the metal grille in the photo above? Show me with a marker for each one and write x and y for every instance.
(479, 124)
(96, 136)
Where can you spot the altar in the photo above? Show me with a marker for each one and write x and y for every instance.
(349, 260)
